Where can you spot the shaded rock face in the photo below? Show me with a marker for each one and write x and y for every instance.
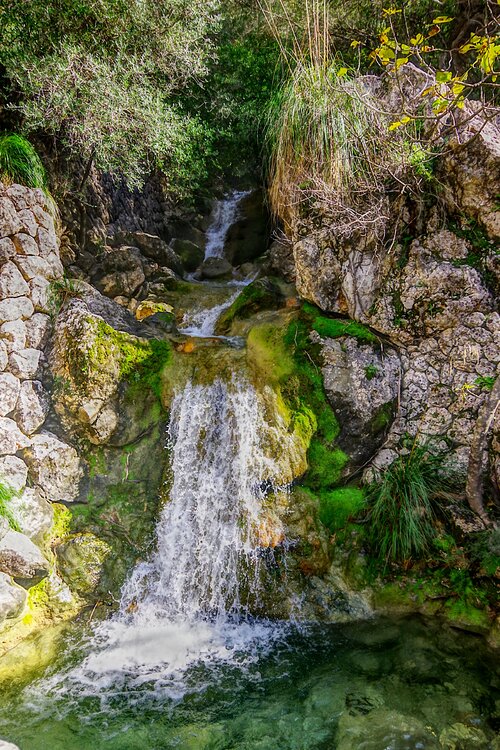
(362, 386)
(248, 237)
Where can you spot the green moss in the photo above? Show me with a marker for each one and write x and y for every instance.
(371, 371)
(61, 524)
(325, 465)
(141, 361)
(382, 418)
(334, 328)
(267, 351)
(6, 495)
(338, 506)
(467, 616)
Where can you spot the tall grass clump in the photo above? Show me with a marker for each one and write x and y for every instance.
(6, 495)
(19, 162)
(402, 506)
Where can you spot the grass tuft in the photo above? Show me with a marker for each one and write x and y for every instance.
(402, 504)
(19, 162)
(6, 495)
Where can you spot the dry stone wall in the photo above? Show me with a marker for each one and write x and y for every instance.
(36, 468)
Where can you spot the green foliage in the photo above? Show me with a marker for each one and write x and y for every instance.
(19, 162)
(339, 506)
(401, 506)
(485, 382)
(6, 496)
(60, 291)
(325, 465)
(485, 550)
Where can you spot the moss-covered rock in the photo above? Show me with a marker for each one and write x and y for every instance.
(80, 562)
(259, 295)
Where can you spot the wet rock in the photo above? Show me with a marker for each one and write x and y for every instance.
(382, 728)
(22, 559)
(9, 392)
(12, 601)
(12, 283)
(215, 268)
(248, 237)
(54, 467)
(80, 562)
(13, 472)
(191, 255)
(11, 437)
(463, 737)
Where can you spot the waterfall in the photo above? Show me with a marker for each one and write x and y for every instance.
(201, 322)
(224, 216)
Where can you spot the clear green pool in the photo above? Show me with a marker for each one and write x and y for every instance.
(375, 685)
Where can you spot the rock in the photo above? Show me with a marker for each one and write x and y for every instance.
(40, 294)
(28, 222)
(31, 266)
(47, 242)
(4, 745)
(3, 356)
(17, 307)
(148, 308)
(13, 472)
(32, 406)
(123, 272)
(248, 237)
(191, 255)
(43, 218)
(13, 334)
(33, 514)
(25, 245)
(24, 363)
(12, 601)
(54, 467)
(361, 384)
(183, 229)
(382, 728)
(20, 195)
(9, 219)
(214, 268)
(37, 331)
(9, 392)
(80, 561)
(11, 437)
(12, 283)
(280, 260)
(7, 250)
(152, 247)
(22, 559)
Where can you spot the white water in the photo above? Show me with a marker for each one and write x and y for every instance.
(184, 605)
(225, 213)
(201, 321)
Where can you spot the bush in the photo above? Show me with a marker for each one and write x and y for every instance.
(19, 162)
(402, 505)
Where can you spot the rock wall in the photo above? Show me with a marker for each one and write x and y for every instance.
(37, 470)
(433, 296)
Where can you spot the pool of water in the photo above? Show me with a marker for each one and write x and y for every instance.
(375, 685)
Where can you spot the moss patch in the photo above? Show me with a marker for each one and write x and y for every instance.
(338, 506)
(334, 328)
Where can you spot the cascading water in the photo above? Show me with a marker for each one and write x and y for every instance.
(201, 322)
(223, 217)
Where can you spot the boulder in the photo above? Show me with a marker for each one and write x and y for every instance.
(12, 283)
(54, 467)
(22, 559)
(4, 745)
(11, 437)
(214, 268)
(80, 561)
(152, 247)
(248, 237)
(13, 334)
(16, 307)
(121, 272)
(24, 363)
(13, 472)
(12, 601)
(280, 260)
(362, 386)
(32, 406)
(190, 254)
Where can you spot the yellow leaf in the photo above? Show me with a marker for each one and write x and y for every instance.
(341, 72)
(405, 119)
(395, 125)
(391, 11)
(399, 62)
(355, 43)
(494, 78)
(417, 39)
(433, 31)
(457, 88)
(443, 19)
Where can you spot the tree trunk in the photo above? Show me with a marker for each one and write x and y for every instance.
(480, 438)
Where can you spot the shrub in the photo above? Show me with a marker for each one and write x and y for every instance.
(402, 504)
(19, 162)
